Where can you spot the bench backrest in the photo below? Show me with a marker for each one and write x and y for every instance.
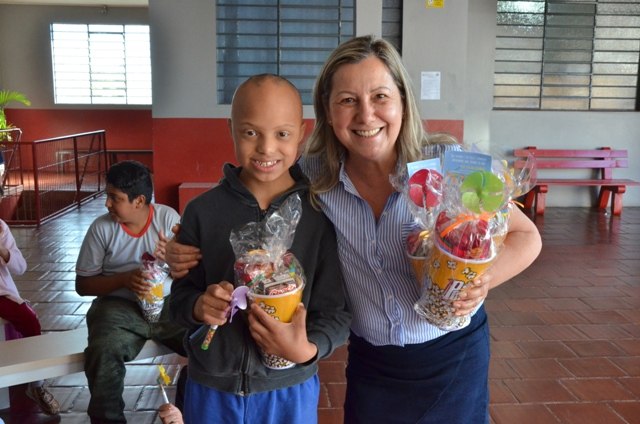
(604, 159)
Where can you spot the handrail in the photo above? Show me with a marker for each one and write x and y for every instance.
(52, 175)
(66, 137)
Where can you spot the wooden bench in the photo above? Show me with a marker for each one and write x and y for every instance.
(52, 355)
(602, 160)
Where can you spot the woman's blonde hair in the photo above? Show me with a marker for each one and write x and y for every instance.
(323, 143)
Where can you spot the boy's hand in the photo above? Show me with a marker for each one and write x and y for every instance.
(138, 283)
(161, 246)
(287, 340)
(212, 306)
(180, 257)
(170, 414)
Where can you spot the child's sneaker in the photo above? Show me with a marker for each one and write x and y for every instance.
(45, 400)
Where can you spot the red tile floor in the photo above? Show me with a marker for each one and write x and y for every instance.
(565, 333)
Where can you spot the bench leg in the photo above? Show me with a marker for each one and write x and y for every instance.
(541, 199)
(529, 199)
(616, 199)
(603, 197)
(616, 193)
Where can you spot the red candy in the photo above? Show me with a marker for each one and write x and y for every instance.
(425, 187)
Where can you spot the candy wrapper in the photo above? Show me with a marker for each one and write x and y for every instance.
(421, 185)
(152, 302)
(262, 261)
(274, 276)
(469, 230)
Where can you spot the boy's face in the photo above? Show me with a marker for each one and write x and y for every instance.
(267, 128)
(120, 208)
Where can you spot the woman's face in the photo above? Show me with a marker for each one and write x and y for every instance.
(365, 109)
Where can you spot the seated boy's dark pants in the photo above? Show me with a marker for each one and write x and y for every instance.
(117, 333)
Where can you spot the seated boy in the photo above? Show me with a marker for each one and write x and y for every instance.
(109, 267)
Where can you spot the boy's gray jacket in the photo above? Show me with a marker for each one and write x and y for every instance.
(232, 363)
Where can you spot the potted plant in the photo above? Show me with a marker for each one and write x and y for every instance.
(6, 97)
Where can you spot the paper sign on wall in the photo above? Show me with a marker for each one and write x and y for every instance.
(430, 86)
(434, 4)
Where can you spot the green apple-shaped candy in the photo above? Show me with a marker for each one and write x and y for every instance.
(482, 191)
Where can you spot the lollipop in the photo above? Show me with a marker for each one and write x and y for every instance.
(482, 191)
(238, 301)
(163, 380)
(425, 188)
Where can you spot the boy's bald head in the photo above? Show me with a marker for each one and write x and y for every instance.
(262, 82)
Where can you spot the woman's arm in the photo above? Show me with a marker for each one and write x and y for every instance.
(521, 247)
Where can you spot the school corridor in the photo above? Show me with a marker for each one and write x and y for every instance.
(565, 333)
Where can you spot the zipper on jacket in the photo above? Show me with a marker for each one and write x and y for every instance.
(244, 387)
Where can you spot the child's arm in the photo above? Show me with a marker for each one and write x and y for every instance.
(102, 285)
(521, 247)
(11, 256)
(287, 340)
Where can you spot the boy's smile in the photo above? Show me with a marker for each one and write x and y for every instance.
(267, 128)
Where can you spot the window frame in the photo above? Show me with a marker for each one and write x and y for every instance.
(103, 64)
(604, 72)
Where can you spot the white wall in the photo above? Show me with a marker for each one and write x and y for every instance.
(183, 59)
(25, 47)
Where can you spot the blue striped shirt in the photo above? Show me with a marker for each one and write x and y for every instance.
(381, 288)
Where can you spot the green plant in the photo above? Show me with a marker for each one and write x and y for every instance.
(6, 97)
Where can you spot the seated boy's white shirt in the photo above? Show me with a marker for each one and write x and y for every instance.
(108, 249)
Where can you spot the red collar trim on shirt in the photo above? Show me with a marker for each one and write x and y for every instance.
(146, 226)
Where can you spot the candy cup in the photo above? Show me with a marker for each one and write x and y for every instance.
(447, 276)
(281, 307)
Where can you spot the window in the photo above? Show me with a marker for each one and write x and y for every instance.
(291, 38)
(567, 55)
(101, 64)
(392, 22)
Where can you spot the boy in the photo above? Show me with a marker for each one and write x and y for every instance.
(228, 382)
(18, 312)
(108, 267)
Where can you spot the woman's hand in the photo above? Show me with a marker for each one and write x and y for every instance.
(472, 295)
(520, 248)
(180, 257)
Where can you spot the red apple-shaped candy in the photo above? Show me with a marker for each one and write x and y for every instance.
(424, 188)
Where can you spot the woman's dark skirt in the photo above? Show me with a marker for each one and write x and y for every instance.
(441, 381)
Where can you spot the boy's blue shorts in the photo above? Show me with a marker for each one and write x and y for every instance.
(292, 405)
